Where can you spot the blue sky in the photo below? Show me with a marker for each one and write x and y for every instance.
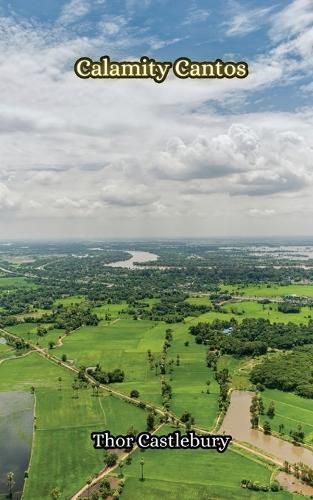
(139, 159)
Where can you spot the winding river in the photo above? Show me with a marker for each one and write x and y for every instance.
(136, 257)
(237, 424)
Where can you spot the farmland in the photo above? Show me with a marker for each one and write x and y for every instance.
(62, 323)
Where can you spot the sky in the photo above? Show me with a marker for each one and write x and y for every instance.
(133, 158)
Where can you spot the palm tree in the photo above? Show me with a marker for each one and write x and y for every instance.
(142, 462)
(11, 482)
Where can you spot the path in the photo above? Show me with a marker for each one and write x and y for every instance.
(108, 470)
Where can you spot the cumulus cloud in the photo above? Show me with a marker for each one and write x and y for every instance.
(44, 177)
(90, 147)
(209, 157)
(8, 199)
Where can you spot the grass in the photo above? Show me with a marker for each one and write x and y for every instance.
(72, 299)
(189, 379)
(121, 344)
(264, 290)
(189, 475)
(251, 309)
(290, 410)
(28, 331)
(64, 425)
(15, 282)
(113, 310)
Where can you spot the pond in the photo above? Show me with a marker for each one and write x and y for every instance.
(16, 428)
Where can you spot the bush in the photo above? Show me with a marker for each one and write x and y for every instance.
(134, 393)
(275, 486)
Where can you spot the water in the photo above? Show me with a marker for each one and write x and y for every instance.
(293, 484)
(237, 424)
(136, 256)
(16, 427)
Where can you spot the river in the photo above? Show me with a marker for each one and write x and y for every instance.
(136, 257)
(237, 424)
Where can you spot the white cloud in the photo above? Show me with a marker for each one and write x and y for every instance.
(292, 20)
(245, 20)
(127, 195)
(8, 199)
(73, 10)
(259, 212)
(102, 149)
(196, 15)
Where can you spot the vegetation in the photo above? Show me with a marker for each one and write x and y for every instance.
(176, 339)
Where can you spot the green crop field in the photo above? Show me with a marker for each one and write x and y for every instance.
(290, 410)
(271, 290)
(64, 424)
(113, 310)
(72, 299)
(28, 331)
(184, 474)
(252, 309)
(15, 282)
(120, 344)
(189, 379)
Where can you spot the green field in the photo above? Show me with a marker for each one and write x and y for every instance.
(121, 344)
(247, 309)
(64, 424)
(290, 410)
(189, 379)
(113, 310)
(265, 290)
(15, 282)
(28, 331)
(191, 475)
(72, 299)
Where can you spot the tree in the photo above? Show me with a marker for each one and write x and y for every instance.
(51, 344)
(254, 421)
(105, 488)
(261, 406)
(60, 383)
(286, 466)
(142, 463)
(267, 427)
(11, 482)
(64, 358)
(271, 410)
(121, 465)
(134, 393)
(150, 422)
(111, 459)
